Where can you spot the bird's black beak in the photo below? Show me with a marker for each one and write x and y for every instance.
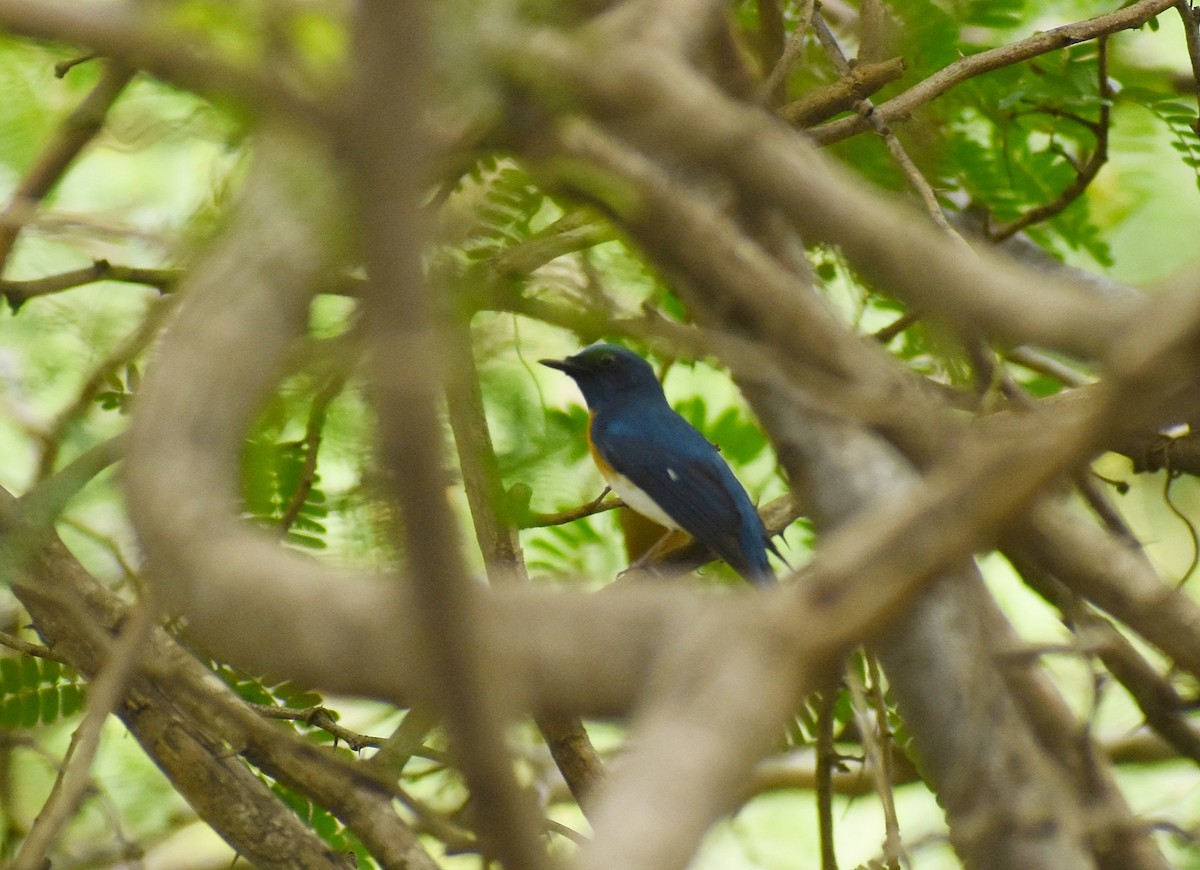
(568, 365)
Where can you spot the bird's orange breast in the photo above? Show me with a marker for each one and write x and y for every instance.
(606, 470)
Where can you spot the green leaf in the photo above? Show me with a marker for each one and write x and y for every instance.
(70, 699)
(10, 675)
(49, 703)
(10, 712)
(31, 671)
(31, 708)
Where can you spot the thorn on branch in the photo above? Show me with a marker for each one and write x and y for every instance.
(65, 66)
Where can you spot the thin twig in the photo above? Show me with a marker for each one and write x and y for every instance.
(19, 292)
(893, 848)
(826, 760)
(1097, 499)
(65, 66)
(1169, 476)
(872, 729)
(104, 693)
(866, 109)
(1085, 174)
(903, 105)
(312, 444)
(790, 50)
(133, 345)
(566, 736)
(595, 506)
(897, 326)
(72, 135)
(30, 649)
(124, 35)
(1044, 364)
(322, 718)
(1191, 32)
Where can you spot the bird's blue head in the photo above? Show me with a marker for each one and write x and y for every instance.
(608, 375)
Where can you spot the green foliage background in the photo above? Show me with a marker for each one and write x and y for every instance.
(156, 182)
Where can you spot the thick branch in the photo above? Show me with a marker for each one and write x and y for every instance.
(235, 802)
(408, 375)
(980, 293)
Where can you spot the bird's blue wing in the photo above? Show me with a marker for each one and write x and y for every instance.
(684, 474)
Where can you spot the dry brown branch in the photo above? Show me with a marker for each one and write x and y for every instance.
(673, 240)
(409, 372)
(106, 690)
(597, 505)
(840, 96)
(695, 240)
(1156, 697)
(826, 762)
(189, 722)
(901, 106)
(570, 640)
(1116, 578)
(24, 647)
(241, 808)
(866, 109)
(562, 653)
(782, 63)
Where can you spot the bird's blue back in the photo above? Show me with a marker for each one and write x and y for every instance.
(652, 456)
(646, 441)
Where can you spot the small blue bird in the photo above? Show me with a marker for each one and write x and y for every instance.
(659, 464)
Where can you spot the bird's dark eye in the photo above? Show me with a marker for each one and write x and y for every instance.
(607, 360)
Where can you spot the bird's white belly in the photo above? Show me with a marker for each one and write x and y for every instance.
(637, 499)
